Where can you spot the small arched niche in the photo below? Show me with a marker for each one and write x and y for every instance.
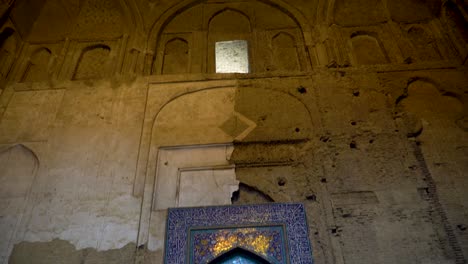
(424, 46)
(37, 68)
(176, 56)
(285, 52)
(18, 167)
(367, 49)
(93, 63)
(8, 43)
(239, 255)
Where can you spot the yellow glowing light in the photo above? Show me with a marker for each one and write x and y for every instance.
(250, 239)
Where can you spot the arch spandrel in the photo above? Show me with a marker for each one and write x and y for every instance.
(231, 114)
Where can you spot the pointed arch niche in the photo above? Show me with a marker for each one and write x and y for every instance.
(176, 56)
(93, 63)
(8, 48)
(18, 168)
(37, 68)
(208, 118)
(203, 24)
(367, 49)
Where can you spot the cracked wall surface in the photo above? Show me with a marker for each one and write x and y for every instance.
(358, 109)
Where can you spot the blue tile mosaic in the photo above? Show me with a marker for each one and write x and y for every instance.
(277, 232)
(267, 241)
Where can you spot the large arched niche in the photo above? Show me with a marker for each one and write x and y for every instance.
(201, 117)
(190, 20)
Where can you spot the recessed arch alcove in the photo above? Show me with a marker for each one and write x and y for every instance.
(38, 66)
(208, 116)
(18, 168)
(9, 43)
(195, 20)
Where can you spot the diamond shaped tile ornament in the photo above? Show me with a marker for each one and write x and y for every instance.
(238, 126)
(275, 232)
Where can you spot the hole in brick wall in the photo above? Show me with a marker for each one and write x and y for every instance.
(311, 197)
(371, 141)
(297, 130)
(461, 227)
(353, 145)
(235, 196)
(353, 123)
(335, 230)
(324, 139)
(408, 60)
(302, 90)
(281, 181)
(356, 93)
(323, 180)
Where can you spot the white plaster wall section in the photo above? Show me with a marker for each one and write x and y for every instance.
(194, 176)
(190, 176)
(85, 200)
(206, 186)
(84, 194)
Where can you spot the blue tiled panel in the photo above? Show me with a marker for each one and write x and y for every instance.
(185, 222)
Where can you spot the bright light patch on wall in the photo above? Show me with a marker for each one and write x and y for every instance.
(232, 56)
